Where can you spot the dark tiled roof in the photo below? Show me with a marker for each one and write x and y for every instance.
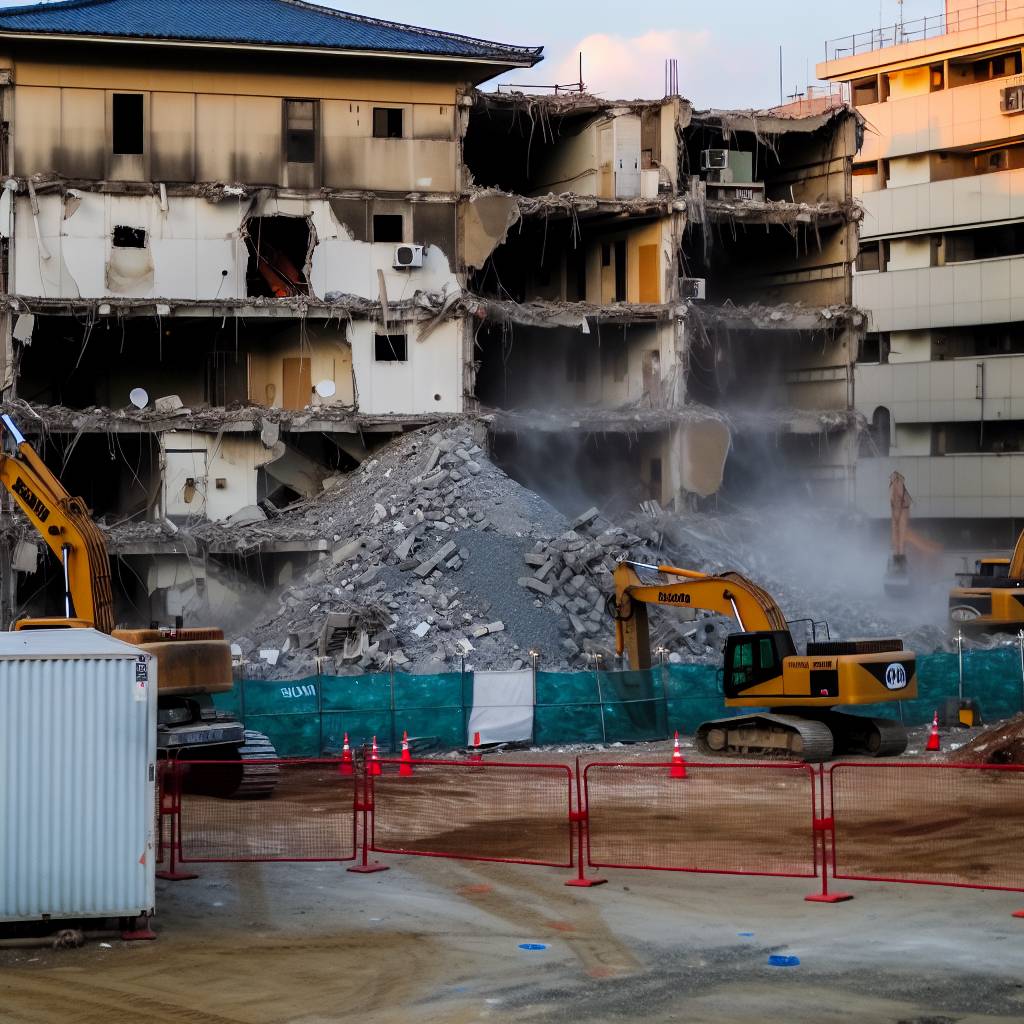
(267, 22)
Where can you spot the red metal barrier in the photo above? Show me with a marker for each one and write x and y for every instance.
(740, 819)
(309, 816)
(929, 824)
(467, 810)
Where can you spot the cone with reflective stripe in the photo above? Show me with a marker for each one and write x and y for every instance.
(934, 742)
(405, 769)
(476, 748)
(345, 768)
(374, 758)
(678, 764)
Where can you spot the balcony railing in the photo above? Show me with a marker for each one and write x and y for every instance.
(983, 14)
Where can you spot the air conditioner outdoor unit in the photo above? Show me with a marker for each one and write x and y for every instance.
(695, 288)
(714, 159)
(408, 256)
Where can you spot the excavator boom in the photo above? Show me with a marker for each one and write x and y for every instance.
(66, 526)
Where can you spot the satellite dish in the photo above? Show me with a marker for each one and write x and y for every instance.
(139, 398)
(326, 389)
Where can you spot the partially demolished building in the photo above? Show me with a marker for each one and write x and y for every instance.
(228, 280)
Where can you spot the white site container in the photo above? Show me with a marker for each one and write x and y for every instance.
(77, 771)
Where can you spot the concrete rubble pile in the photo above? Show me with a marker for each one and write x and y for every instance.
(455, 562)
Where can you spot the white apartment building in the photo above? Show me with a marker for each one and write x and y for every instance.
(941, 267)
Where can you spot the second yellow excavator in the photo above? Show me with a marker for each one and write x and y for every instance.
(192, 664)
(991, 599)
(764, 670)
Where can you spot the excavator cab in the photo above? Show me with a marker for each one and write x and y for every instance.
(755, 658)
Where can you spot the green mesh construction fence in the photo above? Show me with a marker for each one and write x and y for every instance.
(309, 717)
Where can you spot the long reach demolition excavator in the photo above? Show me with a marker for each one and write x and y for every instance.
(192, 664)
(764, 670)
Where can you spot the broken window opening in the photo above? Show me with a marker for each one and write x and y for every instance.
(388, 227)
(300, 124)
(128, 119)
(279, 250)
(129, 238)
(390, 348)
(388, 123)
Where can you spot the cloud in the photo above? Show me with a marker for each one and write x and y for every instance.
(621, 67)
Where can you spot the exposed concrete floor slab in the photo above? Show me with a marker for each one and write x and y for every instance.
(438, 941)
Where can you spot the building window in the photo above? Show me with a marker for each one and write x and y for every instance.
(387, 123)
(128, 117)
(874, 348)
(390, 348)
(865, 91)
(300, 131)
(388, 227)
(872, 256)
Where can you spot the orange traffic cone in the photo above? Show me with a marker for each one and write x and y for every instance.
(345, 768)
(678, 764)
(934, 742)
(374, 758)
(405, 769)
(475, 757)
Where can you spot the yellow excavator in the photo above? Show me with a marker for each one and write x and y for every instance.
(192, 664)
(764, 670)
(991, 599)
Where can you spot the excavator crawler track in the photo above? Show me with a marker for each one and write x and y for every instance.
(813, 738)
(766, 737)
(259, 778)
(873, 737)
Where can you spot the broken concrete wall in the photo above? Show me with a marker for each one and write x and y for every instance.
(404, 372)
(210, 476)
(624, 152)
(187, 248)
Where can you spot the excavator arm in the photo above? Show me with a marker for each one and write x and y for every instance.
(66, 526)
(1016, 571)
(729, 594)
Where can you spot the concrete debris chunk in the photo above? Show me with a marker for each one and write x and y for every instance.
(534, 584)
(422, 629)
(536, 560)
(544, 570)
(168, 404)
(427, 567)
(586, 519)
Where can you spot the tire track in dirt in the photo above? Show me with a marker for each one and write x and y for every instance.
(568, 918)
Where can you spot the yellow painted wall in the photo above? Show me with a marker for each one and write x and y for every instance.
(327, 350)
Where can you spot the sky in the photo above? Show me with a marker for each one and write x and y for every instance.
(728, 52)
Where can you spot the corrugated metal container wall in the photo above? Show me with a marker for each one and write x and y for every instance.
(77, 766)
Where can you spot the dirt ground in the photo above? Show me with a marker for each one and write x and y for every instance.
(440, 941)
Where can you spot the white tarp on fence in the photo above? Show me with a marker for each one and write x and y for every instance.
(502, 706)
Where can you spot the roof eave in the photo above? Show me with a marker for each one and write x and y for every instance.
(508, 62)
